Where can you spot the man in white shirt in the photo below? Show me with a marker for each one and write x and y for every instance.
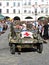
(24, 26)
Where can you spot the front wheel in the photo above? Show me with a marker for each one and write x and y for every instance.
(12, 49)
(39, 48)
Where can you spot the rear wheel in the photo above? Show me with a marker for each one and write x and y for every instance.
(12, 49)
(39, 48)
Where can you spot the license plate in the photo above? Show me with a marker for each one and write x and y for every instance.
(28, 41)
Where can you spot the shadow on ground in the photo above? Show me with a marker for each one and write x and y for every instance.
(27, 50)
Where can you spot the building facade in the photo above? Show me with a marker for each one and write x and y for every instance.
(24, 8)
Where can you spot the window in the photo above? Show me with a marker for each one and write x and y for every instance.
(0, 11)
(35, 11)
(7, 10)
(47, 2)
(46, 10)
(25, 11)
(29, 3)
(29, 11)
(35, 3)
(42, 10)
(19, 11)
(32, 12)
(14, 4)
(7, 3)
(25, 3)
(18, 4)
(42, 0)
(0, 3)
(14, 11)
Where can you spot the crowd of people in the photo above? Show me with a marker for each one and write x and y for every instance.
(3, 26)
(43, 27)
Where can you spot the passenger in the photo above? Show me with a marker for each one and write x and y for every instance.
(29, 25)
(24, 27)
(40, 30)
(18, 27)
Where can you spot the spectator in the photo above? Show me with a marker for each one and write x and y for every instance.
(1, 27)
(35, 24)
(40, 27)
(46, 33)
(29, 25)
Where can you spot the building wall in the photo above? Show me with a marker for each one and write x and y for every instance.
(24, 8)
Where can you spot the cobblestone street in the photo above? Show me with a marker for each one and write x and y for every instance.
(26, 58)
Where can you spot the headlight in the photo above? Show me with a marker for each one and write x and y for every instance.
(35, 35)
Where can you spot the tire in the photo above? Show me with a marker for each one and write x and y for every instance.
(12, 49)
(40, 48)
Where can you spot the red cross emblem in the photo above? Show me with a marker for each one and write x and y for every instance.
(26, 34)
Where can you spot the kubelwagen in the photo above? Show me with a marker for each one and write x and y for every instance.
(24, 39)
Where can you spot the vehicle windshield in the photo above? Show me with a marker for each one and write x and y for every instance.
(18, 30)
